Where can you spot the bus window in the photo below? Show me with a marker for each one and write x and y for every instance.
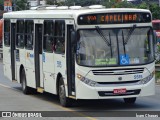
(48, 36)
(7, 32)
(29, 34)
(60, 36)
(20, 34)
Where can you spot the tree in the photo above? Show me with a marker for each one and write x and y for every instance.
(145, 4)
(153, 7)
(117, 4)
(73, 2)
(124, 4)
(51, 2)
(21, 4)
(108, 3)
(1, 4)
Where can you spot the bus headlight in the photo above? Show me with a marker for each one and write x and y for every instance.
(147, 79)
(86, 80)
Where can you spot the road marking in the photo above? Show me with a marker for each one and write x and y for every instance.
(63, 108)
(10, 87)
(71, 110)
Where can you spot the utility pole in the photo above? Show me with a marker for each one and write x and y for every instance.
(38, 2)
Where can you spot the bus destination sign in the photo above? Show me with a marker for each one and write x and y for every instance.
(114, 18)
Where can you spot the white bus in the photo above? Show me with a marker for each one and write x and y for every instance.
(81, 53)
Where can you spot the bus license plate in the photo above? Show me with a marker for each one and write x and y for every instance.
(119, 91)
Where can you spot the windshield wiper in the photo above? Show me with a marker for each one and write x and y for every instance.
(105, 39)
(101, 34)
(124, 45)
(110, 45)
(129, 34)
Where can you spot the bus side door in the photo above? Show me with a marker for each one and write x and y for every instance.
(19, 44)
(7, 49)
(38, 54)
(29, 46)
(60, 49)
(48, 56)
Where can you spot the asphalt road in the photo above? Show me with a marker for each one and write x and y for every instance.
(12, 99)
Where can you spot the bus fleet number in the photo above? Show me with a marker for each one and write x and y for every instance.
(138, 76)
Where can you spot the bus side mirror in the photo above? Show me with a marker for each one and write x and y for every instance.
(73, 37)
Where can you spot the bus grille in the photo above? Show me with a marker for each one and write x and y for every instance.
(119, 82)
(110, 93)
(118, 71)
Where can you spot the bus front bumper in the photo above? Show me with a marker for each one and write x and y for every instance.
(85, 91)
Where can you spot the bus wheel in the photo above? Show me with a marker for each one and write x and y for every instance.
(25, 89)
(130, 100)
(64, 101)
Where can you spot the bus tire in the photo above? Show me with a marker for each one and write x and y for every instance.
(25, 89)
(64, 101)
(130, 100)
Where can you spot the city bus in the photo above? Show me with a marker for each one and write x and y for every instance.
(81, 52)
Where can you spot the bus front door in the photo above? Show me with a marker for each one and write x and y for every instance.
(13, 51)
(70, 62)
(38, 56)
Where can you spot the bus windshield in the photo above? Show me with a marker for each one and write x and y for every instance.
(124, 47)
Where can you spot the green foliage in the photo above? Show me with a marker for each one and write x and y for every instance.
(72, 2)
(146, 4)
(143, 5)
(108, 4)
(153, 7)
(124, 4)
(113, 3)
(21, 4)
(157, 75)
(1, 4)
(51, 2)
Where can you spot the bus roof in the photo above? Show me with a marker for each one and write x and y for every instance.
(67, 13)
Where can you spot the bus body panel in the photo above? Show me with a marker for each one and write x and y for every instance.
(116, 73)
(19, 61)
(7, 71)
(29, 68)
(85, 91)
(7, 62)
(60, 68)
(49, 72)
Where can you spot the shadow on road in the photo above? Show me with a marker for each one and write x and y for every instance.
(94, 105)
